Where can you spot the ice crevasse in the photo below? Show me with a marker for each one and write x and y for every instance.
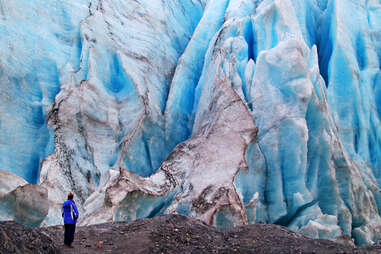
(230, 111)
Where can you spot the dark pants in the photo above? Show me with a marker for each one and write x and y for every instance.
(69, 233)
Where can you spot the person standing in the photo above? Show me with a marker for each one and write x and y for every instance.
(70, 215)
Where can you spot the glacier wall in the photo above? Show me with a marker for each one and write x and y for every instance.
(231, 111)
(40, 47)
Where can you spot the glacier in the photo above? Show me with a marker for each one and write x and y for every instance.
(231, 111)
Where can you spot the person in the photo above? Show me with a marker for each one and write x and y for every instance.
(70, 215)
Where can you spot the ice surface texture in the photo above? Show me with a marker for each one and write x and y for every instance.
(232, 111)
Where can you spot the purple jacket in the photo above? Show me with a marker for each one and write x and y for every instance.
(69, 212)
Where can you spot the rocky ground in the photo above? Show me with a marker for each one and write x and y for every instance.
(167, 234)
(15, 238)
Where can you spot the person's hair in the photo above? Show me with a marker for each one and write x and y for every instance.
(70, 195)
